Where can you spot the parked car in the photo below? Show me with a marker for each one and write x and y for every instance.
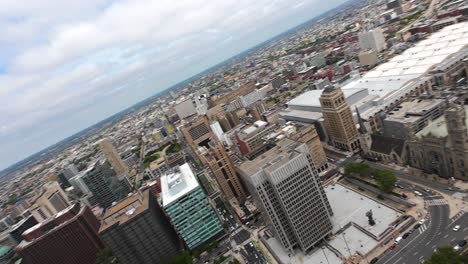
(456, 228)
(392, 246)
(422, 221)
(398, 240)
(462, 243)
(374, 260)
(418, 193)
(405, 235)
(416, 226)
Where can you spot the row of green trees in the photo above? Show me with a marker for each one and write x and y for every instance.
(385, 179)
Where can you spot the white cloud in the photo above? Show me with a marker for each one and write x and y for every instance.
(63, 58)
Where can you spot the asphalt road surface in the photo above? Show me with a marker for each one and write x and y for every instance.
(252, 255)
(435, 232)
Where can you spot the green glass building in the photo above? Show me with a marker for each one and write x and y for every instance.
(187, 206)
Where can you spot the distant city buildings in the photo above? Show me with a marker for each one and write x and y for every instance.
(188, 208)
(137, 231)
(185, 108)
(286, 187)
(372, 39)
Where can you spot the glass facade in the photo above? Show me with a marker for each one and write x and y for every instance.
(194, 218)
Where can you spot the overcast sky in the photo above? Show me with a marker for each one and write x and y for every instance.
(65, 65)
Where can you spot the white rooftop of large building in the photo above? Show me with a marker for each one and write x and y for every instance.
(177, 184)
(393, 78)
(311, 98)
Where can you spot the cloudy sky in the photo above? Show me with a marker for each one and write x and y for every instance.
(65, 65)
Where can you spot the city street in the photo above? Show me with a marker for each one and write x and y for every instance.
(435, 232)
(420, 180)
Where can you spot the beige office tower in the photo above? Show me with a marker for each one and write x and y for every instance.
(113, 157)
(308, 134)
(212, 153)
(287, 189)
(338, 120)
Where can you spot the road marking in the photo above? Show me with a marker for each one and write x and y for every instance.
(446, 236)
(464, 229)
(453, 239)
(415, 253)
(399, 259)
(436, 202)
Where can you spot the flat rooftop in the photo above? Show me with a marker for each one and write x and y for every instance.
(438, 127)
(312, 98)
(125, 210)
(412, 110)
(271, 159)
(177, 184)
(350, 206)
(394, 78)
(316, 256)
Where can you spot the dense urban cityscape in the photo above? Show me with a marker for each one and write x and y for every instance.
(344, 140)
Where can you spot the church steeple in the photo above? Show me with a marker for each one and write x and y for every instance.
(362, 128)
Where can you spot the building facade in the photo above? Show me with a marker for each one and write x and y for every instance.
(51, 200)
(372, 39)
(137, 231)
(338, 120)
(188, 208)
(113, 157)
(103, 182)
(286, 187)
(69, 237)
(441, 148)
(308, 135)
(213, 154)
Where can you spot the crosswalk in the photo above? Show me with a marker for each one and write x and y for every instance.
(436, 202)
(422, 228)
(460, 214)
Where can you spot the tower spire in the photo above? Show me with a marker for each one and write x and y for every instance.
(362, 127)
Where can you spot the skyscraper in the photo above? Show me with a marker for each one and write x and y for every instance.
(137, 231)
(212, 153)
(188, 208)
(69, 237)
(338, 119)
(102, 181)
(113, 157)
(287, 188)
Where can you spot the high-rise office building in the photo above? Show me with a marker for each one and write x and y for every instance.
(212, 153)
(188, 208)
(113, 157)
(68, 237)
(102, 181)
(338, 119)
(372, 39)
(16, 231)
(287, 188)
(137, 231)
(51, 200)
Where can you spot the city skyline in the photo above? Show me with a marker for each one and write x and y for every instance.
(84, 82)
